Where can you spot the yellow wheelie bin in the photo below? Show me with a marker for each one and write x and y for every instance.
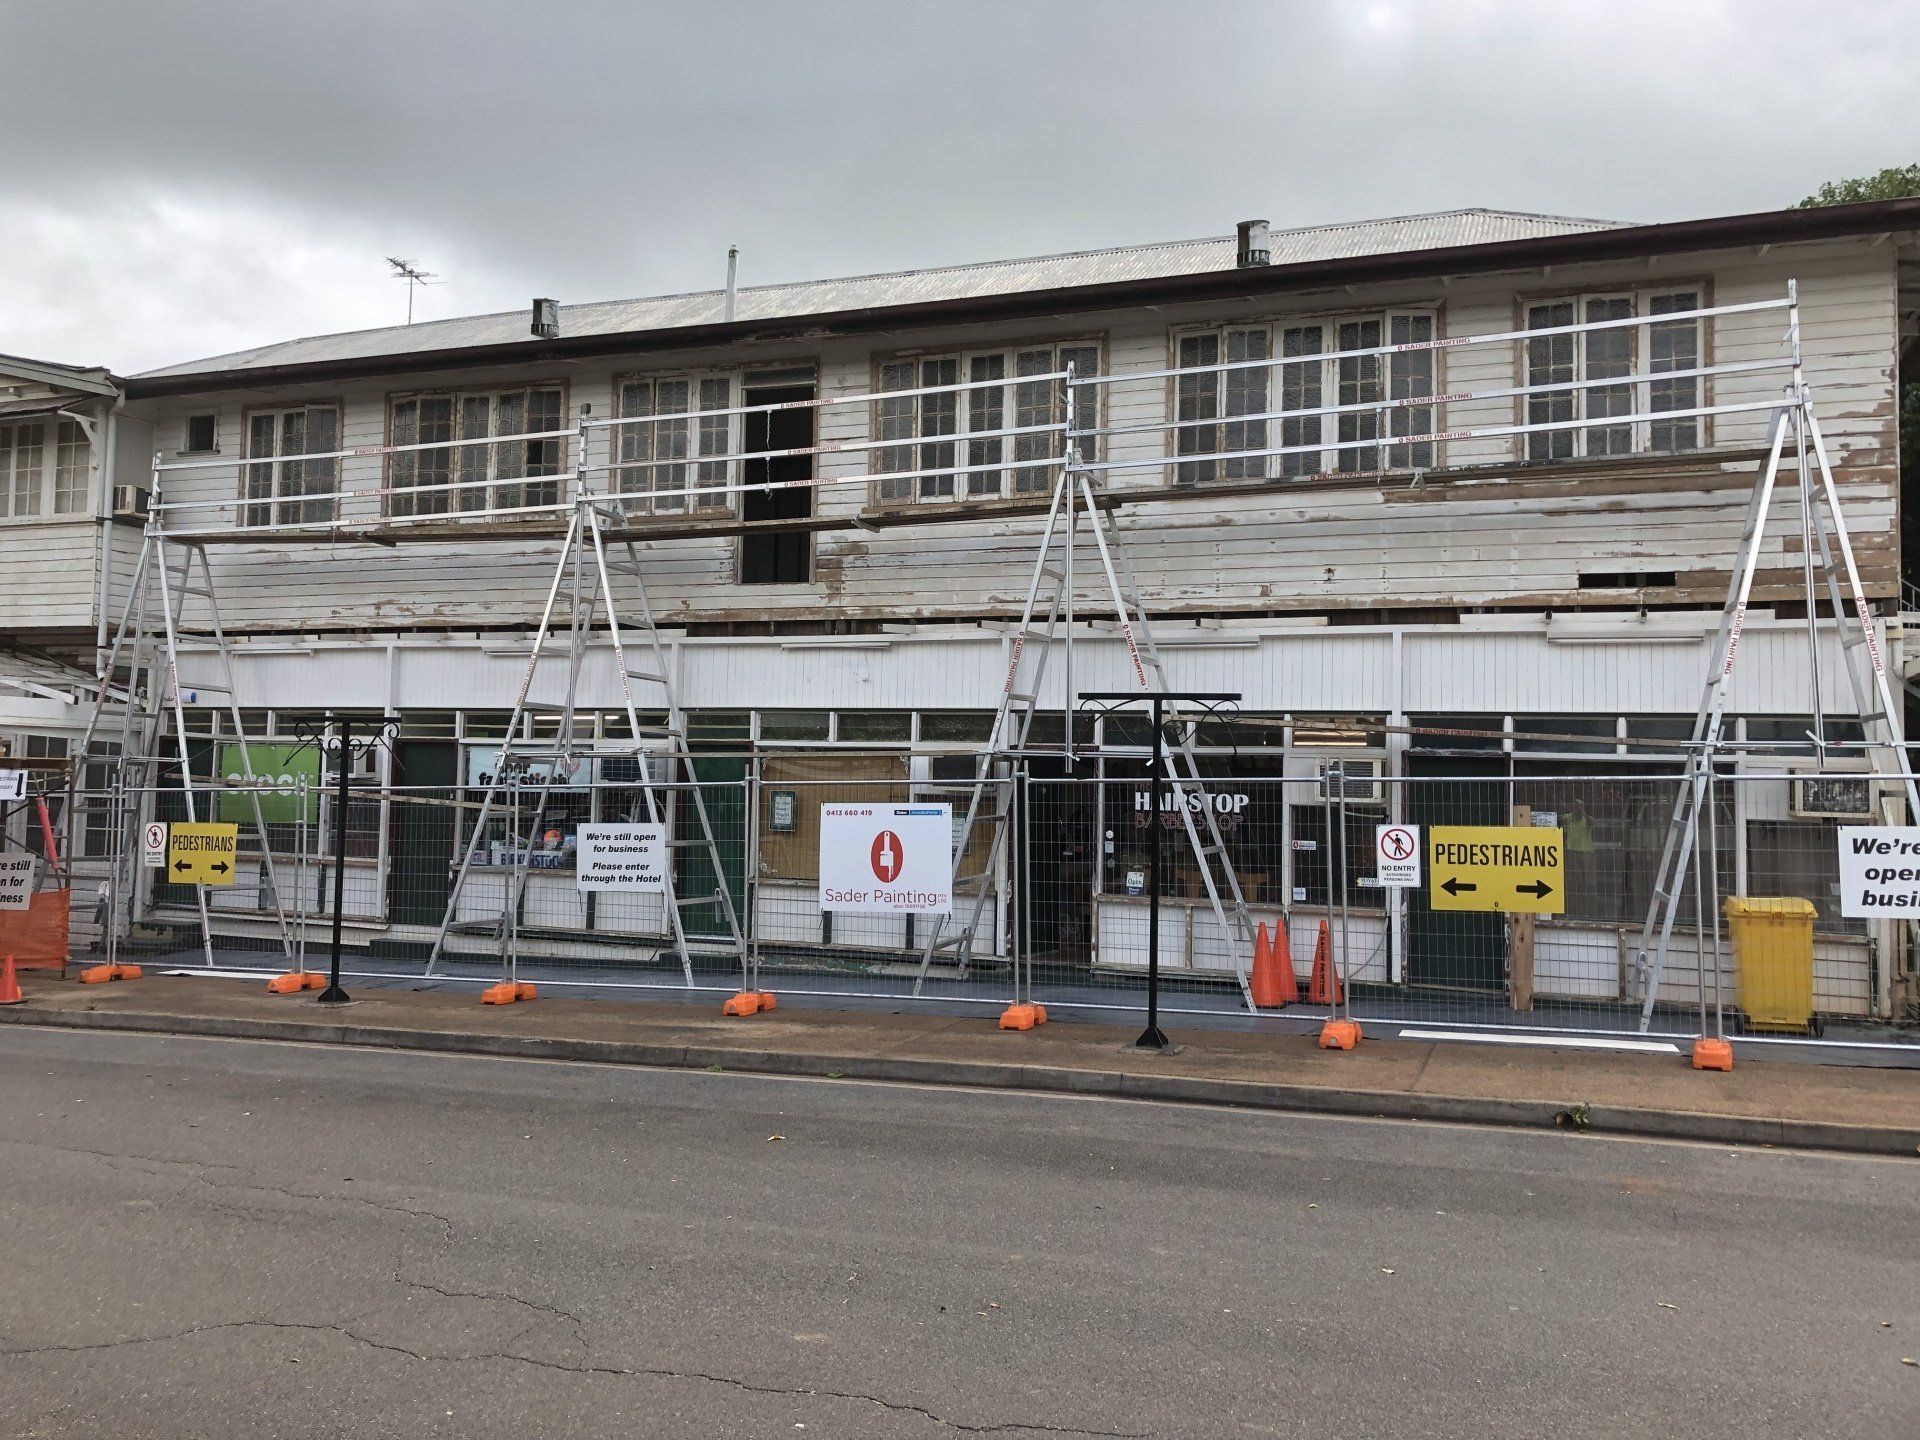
(1773, 957)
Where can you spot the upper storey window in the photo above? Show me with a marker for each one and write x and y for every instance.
(1636, 349)
(1332, 384)
(965, 404)
(44, 467)
(660, 457)
(453, 477)
(279, 488)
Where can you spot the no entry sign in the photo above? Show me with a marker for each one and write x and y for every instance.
(887, 859)
(1396, 856)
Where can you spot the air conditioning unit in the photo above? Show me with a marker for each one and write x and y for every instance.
(1360, 780)
(129, 502)
(365, 765)
(1833, 797)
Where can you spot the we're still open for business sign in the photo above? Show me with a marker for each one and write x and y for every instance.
(887, 859)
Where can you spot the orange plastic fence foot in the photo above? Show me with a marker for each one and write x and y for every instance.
(10, 985)
(101, 974)
(292, 983)
(507, 992)
(1712, 1054)
(313, 980)
(1022, 1017)
(1039, 1014)
(748, 1002)
(1339, 1035)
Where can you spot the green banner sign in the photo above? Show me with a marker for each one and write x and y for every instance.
(282, 767)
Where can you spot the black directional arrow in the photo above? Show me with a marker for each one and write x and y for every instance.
(1454, 887)
(181, 865)
(219, 869)
(1539, 889)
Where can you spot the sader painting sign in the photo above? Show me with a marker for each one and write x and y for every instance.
(887, 859)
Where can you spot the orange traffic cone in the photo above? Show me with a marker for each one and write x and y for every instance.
(10, 985)
(1283, 964)
(1324, 987)
(1265, 983)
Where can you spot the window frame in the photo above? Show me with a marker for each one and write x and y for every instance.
(397, 503)
(186, 433)
(996, 406)
(277, 500)
(694, 468)
(1580, 438)
(1314, 386)
(46, 490)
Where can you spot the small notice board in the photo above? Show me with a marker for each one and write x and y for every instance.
(621, 857)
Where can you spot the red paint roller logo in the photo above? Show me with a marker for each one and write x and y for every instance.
(887, 857)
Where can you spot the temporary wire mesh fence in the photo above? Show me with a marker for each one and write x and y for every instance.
(1063, 880)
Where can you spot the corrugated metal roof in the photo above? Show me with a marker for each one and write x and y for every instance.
(906, 287)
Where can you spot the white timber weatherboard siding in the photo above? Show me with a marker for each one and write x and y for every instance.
(1508, 536)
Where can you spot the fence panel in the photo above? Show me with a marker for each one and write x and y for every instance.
(1060, 870)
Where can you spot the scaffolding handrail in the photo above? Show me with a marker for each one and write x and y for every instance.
(1394, 442)
(606, 422)
(1449, 397)
(1440, 342)
(237, 515)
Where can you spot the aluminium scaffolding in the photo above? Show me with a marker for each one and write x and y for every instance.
(679, 473)
(1825, 547)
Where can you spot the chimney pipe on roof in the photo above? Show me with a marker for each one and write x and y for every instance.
(1253, 244)
(733, 272)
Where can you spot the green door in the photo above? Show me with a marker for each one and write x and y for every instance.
(722, 781)
(420, 839)
(1455, 949)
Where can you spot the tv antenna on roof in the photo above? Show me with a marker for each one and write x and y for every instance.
(414, 276)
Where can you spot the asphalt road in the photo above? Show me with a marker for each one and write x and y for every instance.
(212, 1239)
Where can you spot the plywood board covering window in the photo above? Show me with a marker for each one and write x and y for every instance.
(806, 782)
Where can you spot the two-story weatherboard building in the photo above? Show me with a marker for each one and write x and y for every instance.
(1536, 571)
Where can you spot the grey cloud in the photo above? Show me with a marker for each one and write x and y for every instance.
(592, 150)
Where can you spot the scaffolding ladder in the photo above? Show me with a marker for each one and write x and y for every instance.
(665, 779)
(139, 675)
(1049, 605)
(1826, 547)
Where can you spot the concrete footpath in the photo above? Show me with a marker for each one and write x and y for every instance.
(1873, 1111)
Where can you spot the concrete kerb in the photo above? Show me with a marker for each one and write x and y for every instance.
(1708, 1127)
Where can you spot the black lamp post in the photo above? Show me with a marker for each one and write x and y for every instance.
(1153, 1037)
(336, 740)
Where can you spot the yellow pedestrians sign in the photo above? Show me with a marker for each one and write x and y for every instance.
(203, 854)
(1515, 868)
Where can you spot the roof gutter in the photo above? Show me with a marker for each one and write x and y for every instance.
(1777, 227)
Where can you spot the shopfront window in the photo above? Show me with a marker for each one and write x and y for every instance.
(1615, 829)
(1247, 801)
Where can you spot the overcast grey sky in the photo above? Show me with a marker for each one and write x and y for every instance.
(186, 177)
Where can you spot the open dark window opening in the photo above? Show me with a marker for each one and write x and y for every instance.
(777, 557)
